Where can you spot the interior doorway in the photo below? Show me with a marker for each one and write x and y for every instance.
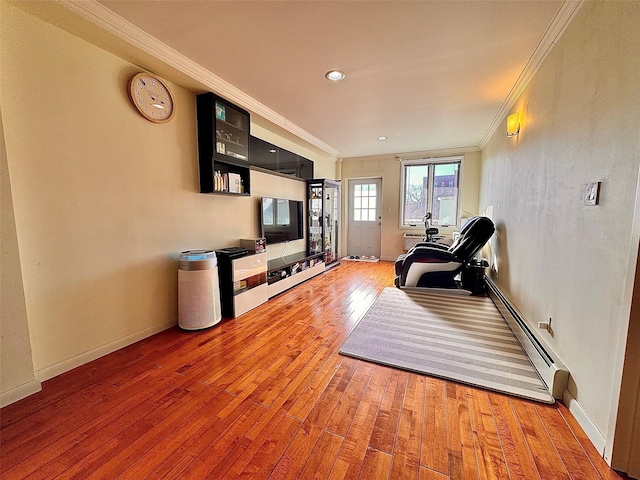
(364, 217)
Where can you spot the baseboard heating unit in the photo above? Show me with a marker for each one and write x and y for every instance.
(409, 240)
(553, 373)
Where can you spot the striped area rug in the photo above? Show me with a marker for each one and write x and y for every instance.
(464, 339)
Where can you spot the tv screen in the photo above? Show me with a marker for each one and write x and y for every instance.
(281, 219)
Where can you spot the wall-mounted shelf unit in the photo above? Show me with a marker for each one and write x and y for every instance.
(276, 159)
(223, 146)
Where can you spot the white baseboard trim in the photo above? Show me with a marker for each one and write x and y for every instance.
(596, 437)
(86, 357)
(20, 392)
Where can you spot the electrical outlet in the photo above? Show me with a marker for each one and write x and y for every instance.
(545, 325)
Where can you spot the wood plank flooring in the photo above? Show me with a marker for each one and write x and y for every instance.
(268, 396)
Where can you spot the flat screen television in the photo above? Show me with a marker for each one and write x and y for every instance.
(281, 220)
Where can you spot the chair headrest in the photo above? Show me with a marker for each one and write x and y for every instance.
(470, 221)
(473, 236)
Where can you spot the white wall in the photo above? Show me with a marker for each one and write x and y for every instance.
(553, 256)
(104, 200)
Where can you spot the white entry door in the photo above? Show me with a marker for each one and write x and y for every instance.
(364, 227)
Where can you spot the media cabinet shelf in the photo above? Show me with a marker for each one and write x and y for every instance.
(291, 270)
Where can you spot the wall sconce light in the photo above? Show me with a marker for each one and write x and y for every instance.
(513, 125)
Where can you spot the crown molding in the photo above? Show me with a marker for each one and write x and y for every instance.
(115, 25)
(443, 152)
(563, 18)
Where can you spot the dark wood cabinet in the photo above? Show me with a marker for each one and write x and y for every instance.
(276, 159)
(223, 146)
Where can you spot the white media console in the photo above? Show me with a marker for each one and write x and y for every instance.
(249, 280)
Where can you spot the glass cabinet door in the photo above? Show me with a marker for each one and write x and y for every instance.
(331, 224)
(316, 214)
(232, 132)
(324, 218)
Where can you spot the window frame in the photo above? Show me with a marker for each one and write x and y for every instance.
(430, 163)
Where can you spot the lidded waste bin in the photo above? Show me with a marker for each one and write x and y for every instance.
(198, 290)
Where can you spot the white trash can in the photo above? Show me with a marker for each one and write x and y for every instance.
(198, 290)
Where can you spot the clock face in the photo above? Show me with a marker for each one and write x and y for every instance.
(151, 97)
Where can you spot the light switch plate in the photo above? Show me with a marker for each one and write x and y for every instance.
(592, 193)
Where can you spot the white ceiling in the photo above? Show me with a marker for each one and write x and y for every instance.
(427, 74)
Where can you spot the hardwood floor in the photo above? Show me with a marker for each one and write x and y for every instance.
(268, 396)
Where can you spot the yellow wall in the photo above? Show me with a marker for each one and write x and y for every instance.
(16, 365)
(389, 169)
(554, 256)
(104, 200)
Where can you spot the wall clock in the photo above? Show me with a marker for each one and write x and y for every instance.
(151, 97)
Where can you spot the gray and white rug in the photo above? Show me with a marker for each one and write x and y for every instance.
(464, 339)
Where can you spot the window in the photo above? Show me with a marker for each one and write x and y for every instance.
(364, 203)
(430, 186)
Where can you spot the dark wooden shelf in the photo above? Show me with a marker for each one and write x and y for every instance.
(210, 159)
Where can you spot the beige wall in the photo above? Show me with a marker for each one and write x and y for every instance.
(554, 256)
(16, 366)
(389, 169)
(104, 200)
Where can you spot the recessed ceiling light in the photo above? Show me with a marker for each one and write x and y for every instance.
(382, 138)
(273, 150)
(334, 75)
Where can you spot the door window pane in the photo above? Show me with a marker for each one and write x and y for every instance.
(364, 203)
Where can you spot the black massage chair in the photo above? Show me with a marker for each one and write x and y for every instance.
(436, 265)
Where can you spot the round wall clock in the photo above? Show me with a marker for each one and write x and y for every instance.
(151, 97)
